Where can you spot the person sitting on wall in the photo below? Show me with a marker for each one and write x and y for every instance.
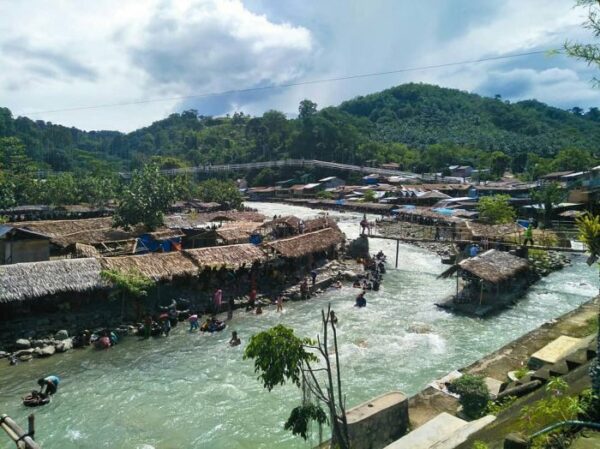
(51, 384)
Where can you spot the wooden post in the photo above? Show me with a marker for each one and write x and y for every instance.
(397, 251)
(17, 434)
(31, 425)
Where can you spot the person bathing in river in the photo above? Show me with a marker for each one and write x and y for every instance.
(361, 301)
(259, 309)
(193, 319)
(235, 340)
(304, 289)
(333, 317)
(279, 302)
(313, 276)
(51, 384)
(338, 284)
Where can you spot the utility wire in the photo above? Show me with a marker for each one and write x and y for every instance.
(299, 83)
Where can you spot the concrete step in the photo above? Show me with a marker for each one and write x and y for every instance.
(559, 369)
(442, 432)
(578, 358)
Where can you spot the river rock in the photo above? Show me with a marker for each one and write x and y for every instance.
(25, 357)
(64, 345)
(46, 351)
(3, 354)
(419, 328)
(21, 352)
(23, 343)
(61, 335)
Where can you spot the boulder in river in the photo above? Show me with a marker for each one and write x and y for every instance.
(25, 357)
(61, 335)
(3, 354)
(22, 343)
(64, 345)
(46, 351)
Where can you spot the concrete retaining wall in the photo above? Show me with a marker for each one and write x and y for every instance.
(378, 422)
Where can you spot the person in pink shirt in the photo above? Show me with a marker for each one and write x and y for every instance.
(218, 299)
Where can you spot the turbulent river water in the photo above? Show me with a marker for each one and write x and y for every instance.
(193, 391)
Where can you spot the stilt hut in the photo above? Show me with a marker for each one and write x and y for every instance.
(491, 281)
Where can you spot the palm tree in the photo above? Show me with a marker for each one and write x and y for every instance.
(589, 233)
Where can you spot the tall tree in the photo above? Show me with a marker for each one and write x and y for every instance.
(307, 109)
(496, 209)
(499, 163)
(548, 196)
(145, 199)
(281, 356)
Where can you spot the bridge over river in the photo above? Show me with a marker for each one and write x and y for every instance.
(303, 163)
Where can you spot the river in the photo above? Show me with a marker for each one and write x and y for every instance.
(193, 391)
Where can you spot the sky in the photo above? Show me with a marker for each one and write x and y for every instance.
(63, 59)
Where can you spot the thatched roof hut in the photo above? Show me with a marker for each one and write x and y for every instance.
(314, 224)
(230, 256)
(25, 281)
(308, 243)
(158, 267)
(492, 266)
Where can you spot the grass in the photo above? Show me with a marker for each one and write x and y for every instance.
(590, 327)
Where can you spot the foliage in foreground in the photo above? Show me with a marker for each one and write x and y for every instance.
(556, 406)
(281, 356)
(474, 394)
(132, 283)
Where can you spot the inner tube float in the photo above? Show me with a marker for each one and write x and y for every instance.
(217, 326)
(35, 399)
(103, 343)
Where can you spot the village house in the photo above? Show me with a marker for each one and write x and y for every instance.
(22, 245)
(332, 182)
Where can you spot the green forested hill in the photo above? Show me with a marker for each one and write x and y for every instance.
(423, 127)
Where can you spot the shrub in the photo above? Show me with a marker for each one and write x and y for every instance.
(474, 394)
(480, 445)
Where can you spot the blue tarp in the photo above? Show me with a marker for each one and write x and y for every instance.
(523, 223)
(256, 239)
(147, 243)
(444, 211)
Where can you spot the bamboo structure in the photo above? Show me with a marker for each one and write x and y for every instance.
(22, 439)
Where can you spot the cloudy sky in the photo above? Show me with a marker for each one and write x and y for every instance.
(67, 55)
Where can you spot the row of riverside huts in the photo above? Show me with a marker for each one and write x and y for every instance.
(73, 293)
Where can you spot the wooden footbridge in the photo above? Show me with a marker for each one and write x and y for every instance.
(490, 245)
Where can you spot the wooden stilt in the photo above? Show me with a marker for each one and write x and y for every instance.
(397, 251)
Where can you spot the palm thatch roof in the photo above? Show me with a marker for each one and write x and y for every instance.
(83, 250)
(494, 232)
(90, 231)
(492, 266)
(57, 228)
(230, 256)
(25, 281)
(308, 243)
(314, 224)
(158, 267)
(195, 220)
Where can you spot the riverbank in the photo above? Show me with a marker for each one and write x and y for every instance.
(513, 356)
(26, 349)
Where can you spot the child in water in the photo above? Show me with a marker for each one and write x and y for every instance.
(235, 340)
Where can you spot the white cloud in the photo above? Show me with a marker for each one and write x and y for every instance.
(75, 53)
(215, 45)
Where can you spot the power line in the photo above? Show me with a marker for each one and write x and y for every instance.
(299, 83)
